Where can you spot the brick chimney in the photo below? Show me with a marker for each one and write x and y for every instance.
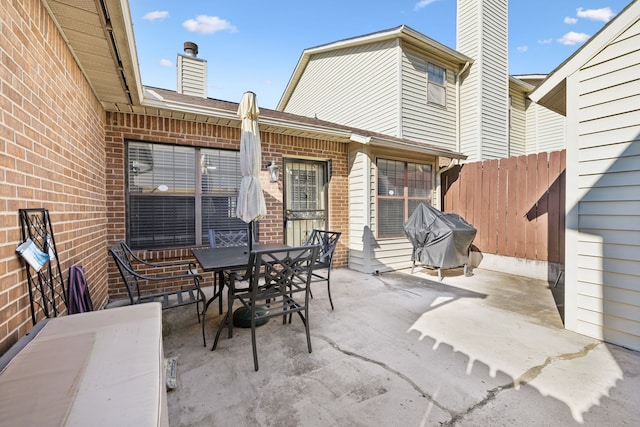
(192, 72)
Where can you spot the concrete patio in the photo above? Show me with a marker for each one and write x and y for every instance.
(404, 349)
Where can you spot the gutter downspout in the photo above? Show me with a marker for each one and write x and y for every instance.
(438, 198)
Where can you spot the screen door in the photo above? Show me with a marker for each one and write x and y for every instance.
(305, 191)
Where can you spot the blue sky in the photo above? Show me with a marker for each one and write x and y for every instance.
(255, 45)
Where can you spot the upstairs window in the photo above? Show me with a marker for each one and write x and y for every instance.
(175, 194)
(402, 186)
(436, 85)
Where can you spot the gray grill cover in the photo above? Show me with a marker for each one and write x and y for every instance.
(439, 239)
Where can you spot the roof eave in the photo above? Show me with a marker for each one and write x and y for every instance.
(551, 93)
(125, 40)
(524, 86)
(416, 148)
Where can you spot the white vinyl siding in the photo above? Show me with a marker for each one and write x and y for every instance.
(482, 35)
(517, 124)
(358, 206)
(355, 86)
(422, 121)
(545, 129)
(495, 80)
(606, 271)
(192, 76)
(470, 137)
(468, 15)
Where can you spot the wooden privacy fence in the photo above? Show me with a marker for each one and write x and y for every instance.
(517, 204)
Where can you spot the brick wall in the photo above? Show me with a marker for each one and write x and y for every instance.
(123, 126)
(51, 156)
(59, 151)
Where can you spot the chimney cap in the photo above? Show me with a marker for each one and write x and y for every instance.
(190, 49)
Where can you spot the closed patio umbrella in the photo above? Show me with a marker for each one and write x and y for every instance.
(251, 204)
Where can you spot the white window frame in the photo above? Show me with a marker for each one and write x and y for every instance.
(435, 85)
(390, 193)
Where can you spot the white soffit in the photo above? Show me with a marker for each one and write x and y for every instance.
(99, 34)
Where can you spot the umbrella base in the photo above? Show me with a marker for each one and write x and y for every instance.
(242, 318)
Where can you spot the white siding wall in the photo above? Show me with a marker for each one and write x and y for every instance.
(495, 80)
(421, 121)
(602, 279)
(354, 86)
(545, 129)
(482, 35)
(358, 209)
(468, 31)
(517, 124)
(192, 76)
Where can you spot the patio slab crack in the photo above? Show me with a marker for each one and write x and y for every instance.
(393, 287)
(530, 375)
(389, 369)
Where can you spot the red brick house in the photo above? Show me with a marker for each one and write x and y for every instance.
(74, 119)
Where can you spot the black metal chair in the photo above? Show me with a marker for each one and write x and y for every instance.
(276, 284)
(183, 271)
(328, 240)
(229, 237)
(223, 238)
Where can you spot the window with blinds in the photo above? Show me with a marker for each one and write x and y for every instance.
(436, 85)
(175, 194)
(401, 187)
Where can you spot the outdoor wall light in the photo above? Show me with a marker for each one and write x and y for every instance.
(274, 171)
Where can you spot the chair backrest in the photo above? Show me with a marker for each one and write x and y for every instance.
(282, 269)
(229, 237)
(328, 240)
(123, 256)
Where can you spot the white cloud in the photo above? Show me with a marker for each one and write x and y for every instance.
(522, 49)
(605, 14)
(156, 15)
(204, 24)
(545, 41)
(423, 3)
(569, 20)
(166, 63)
(572, 38)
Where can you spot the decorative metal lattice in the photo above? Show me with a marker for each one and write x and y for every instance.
(47, 295)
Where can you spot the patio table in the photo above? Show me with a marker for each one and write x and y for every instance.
(217, 260)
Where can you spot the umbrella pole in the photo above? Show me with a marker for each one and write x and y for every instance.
(250, 235)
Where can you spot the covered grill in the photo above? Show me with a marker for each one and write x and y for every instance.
(440, 240)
